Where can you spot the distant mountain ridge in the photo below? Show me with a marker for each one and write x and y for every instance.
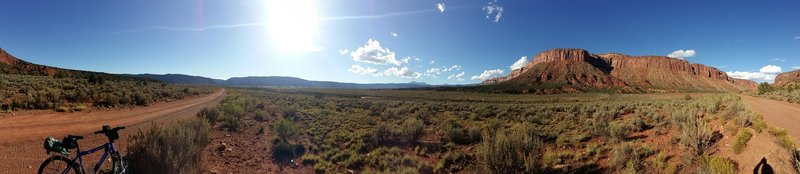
(576, 70)
(273, 81)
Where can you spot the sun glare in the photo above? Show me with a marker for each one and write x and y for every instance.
(292, 24)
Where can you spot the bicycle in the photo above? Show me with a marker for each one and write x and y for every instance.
(59, 161)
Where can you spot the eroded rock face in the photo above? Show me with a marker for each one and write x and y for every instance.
(642, 71)
(784, 79)
(6, 58)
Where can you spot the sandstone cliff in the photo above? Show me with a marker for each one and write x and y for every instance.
(620, 72)
(788, 79)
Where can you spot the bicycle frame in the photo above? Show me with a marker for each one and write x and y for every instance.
(108, 148)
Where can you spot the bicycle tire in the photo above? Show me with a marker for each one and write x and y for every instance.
(118, 164)
(57, 158)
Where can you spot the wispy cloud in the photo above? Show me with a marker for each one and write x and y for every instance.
(458, 77)
(777, 60)
(494, 11)
(797, 38)
(394, 34)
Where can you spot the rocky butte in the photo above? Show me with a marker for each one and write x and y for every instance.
(570, 70)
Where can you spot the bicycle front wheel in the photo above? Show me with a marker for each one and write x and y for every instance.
(119, 164)
(58, 164)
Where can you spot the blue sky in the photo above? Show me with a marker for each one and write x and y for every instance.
(353, 40)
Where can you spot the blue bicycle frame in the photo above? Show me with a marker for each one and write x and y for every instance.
(108, 148)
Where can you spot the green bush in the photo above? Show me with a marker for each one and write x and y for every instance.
(175, 148)
(209, 114)
(740, 142)
(510, 151)
(715, 165)
(382, 134)
(764, 87)
(696, 135)
(412, 130)
(232, 124)
(285, 129)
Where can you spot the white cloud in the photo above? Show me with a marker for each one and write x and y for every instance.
(771, 69)
(488, 74)
(494, 12)
(520, 63)
(394, 34)
(454, 68)
(765, 74)
(681, 54)
(440, 7)
(434, 71)
(403, 72)
(432, 62)
(405, 59)
(373, 53)
(344, 51)
(459, 76)
(777, 60)
(796, 67)
(797, 38)
(363, 71)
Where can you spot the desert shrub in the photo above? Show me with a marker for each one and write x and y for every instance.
(382, 134)
(141, 99)
(80, 107)
(412, 129)
(659, 161)
(454, 132)
(510, 151)
(285, 129)
(209, 114)
(452, 159)
(764, 87)
(696, 135)
(63, 109)
(392, 160)
(261, 116)
(283, 151)
(232, 124)
(175, 148)
(233, 109)
(715, 165)
(782, 138)
(740, 142)
(627, 156)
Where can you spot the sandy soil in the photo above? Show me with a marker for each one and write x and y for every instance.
(21, 136)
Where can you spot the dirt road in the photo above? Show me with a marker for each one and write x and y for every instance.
(21, 136)
(763, 145)
(777, 113)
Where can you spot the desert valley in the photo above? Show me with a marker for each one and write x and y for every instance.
(412, 86)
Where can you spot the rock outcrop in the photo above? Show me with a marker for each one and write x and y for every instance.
(623, 71)
(788, 79)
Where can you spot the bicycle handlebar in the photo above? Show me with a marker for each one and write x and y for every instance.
(105, 129)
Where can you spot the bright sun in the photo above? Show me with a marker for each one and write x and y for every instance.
(292, 24)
